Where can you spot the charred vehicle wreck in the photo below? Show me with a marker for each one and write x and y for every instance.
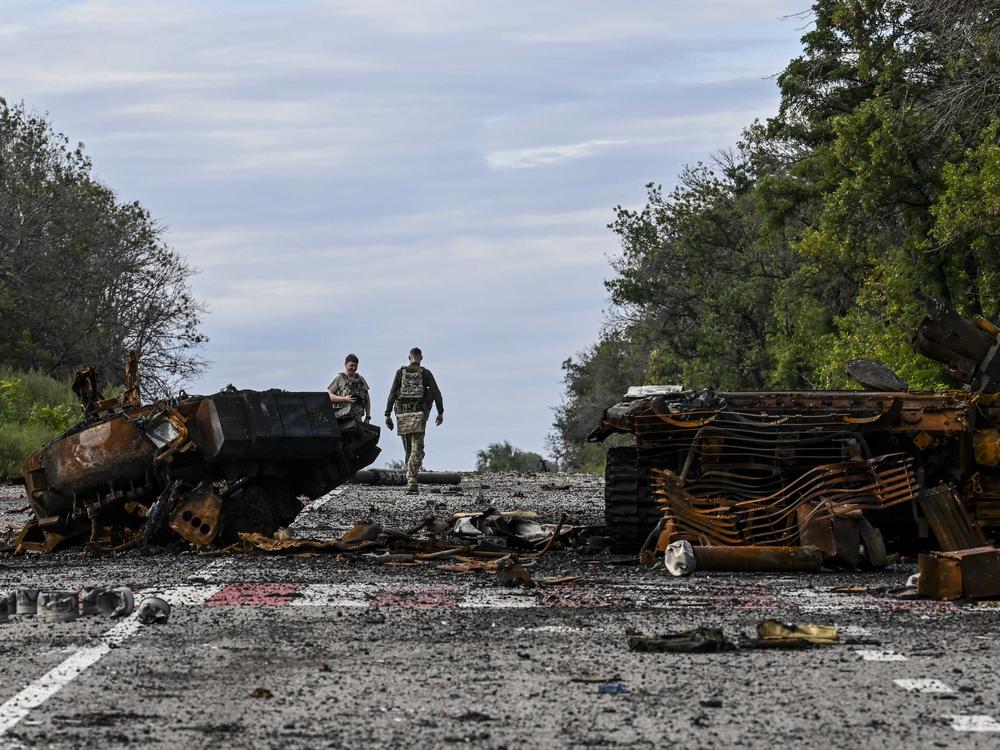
(202, 468)
(853, 473)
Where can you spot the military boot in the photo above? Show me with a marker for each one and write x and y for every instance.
(413, 489)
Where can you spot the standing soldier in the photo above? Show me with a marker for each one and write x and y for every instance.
(413, 390)
(349, 392)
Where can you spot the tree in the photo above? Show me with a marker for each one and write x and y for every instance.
(500, 457)
(85, 278)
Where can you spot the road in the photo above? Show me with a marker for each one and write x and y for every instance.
(333, 651)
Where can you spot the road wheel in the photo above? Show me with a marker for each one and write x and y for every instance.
(629, 510)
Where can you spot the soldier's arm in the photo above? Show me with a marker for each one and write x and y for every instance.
(392, 394)
(368, 400)
(435, 392)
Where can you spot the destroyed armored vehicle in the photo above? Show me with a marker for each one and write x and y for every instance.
(884, 468)
(205, 468)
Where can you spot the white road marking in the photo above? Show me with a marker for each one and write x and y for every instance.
(322, 500)
(14, 710)
(923, 685)
(205, 574)
(974, 723)
(483, 600)
(558, 629)
(334, 595)
(873, 655)
(854, 631)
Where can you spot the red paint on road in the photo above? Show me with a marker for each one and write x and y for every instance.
(255, 594)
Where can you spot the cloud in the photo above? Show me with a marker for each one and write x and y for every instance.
(541, 156)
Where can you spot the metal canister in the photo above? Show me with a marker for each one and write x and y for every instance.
(27, 601)
(57, 606)
(88, 600)
(117, 602)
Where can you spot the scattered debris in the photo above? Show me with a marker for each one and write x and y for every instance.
(57, 606)
(153, 611)
(510, 572)
(776, 634)
(689, 641)
(968, 573)
(770, 634)
(612, 688)
(116, 602)
(27, 601)
(682, 558)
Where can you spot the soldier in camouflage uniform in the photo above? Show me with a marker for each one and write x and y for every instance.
(349, 392)
(413, 391)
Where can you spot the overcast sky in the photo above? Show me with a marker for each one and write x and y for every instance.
(368, 176)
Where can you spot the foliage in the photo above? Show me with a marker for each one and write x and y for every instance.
(84, 277)
(823, 235)
(34, 409)
(500, 457)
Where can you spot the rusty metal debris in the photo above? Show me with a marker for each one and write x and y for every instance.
(201, 468)
(960, 574)
(857, 474)
(682, 558)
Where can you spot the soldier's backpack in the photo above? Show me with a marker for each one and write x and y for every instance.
(411, 385)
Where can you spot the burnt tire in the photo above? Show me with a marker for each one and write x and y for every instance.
(629, 510)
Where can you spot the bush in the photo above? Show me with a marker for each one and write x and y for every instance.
(34, 409)
(17, 441)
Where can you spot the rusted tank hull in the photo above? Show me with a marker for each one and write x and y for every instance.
(261, 450)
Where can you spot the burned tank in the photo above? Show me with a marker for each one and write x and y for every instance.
(855, 473)
(202, 468)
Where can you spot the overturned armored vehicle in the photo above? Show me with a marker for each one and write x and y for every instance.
(202, 467)
(850, 472)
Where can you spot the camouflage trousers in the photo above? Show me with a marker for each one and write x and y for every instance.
(413, 444)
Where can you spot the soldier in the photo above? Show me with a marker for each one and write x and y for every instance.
(413, 390)
(349, 392)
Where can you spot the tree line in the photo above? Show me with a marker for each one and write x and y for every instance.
(823, 233)
(84, 276)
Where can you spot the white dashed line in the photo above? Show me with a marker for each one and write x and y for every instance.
(974, 723)
(873, 655)
(923, 685)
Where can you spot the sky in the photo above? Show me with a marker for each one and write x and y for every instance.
(367, 176)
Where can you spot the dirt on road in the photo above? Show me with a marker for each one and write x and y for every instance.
(332, 650)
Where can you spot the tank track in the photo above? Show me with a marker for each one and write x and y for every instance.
(629, 510)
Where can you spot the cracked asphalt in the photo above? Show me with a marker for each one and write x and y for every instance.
(339, 651)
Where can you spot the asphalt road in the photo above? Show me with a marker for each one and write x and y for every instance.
(329, 651)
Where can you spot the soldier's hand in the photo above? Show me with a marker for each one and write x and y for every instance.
(439, 420)
(388, 422)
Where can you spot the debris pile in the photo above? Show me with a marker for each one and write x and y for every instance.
(496, 542)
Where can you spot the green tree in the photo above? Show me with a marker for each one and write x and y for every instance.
(84, 277)
(501, 457)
